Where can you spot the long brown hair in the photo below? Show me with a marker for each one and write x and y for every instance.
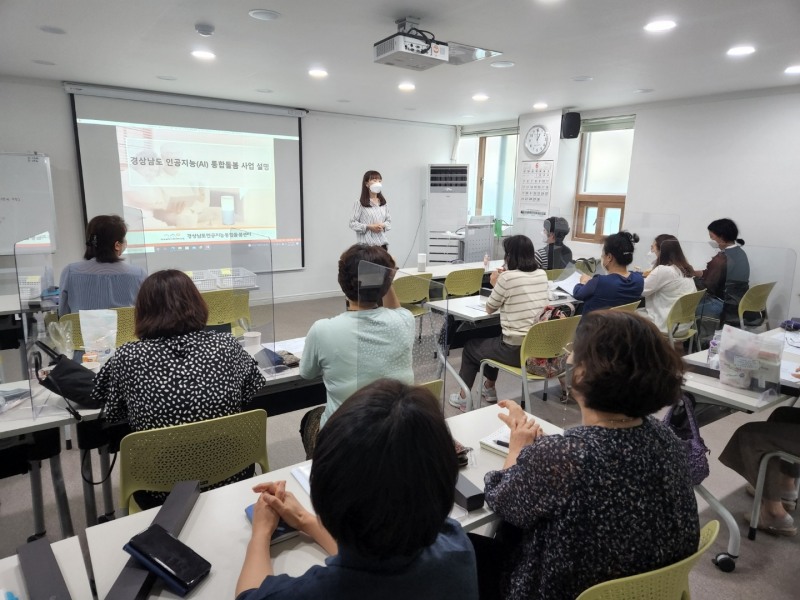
(671, 253)
(364, 199)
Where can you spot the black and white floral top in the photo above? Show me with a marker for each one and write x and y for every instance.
(181, 379)
(594, 504)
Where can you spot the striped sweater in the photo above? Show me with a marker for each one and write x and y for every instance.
(520, 297)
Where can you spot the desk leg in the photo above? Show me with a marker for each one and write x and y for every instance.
(61, 496)
(36, 500)
(726, 561)
(108, 497)
(88, 489)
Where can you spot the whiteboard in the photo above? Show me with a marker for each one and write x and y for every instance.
(27, 207)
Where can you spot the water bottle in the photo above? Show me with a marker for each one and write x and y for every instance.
(712, 361)
(485, 261)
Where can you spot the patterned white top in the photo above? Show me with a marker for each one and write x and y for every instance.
(520, 296)
(662, 288)
(368, 215)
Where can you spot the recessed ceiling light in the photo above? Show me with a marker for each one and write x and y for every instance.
(204, 55)
(318, 73)
(264, 91)
(502, 64)
(660, 25)
(262, 14)
(741, 51)
(793, 70)
(167, 77)
(643, 91)
(480, 97)
(46, 63)
(51, 29)
(204, 29)
(582, 78)
(540, 105)
(407, 86)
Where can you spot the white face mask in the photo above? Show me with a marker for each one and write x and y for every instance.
(545, 237)
(376, 187)
(713, 244)
(651, 256)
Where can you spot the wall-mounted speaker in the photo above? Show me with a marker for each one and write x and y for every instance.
(570, 125)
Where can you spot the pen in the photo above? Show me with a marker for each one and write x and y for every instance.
(501, 443)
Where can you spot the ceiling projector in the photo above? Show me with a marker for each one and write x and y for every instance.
(409, 51)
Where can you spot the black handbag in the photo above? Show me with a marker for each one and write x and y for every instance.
(681, 419)
(67, 378)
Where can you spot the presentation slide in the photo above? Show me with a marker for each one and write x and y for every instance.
(191, 194)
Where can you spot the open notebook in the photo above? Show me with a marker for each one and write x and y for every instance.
(497, 441)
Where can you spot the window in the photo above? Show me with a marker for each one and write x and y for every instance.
(492, 163)
(606, 147)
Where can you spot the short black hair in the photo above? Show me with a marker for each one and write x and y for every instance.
(623, 364)
(558, 226)
(520, 254)
(726, 229)
(620, 246)
(384, 470)
(357, 268)
(102, 234)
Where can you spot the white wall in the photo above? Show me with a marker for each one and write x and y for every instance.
(337, 150)
(702, 159)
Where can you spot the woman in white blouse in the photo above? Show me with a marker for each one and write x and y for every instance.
(671, 278)
(370, 218)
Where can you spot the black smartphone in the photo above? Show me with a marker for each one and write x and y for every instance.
(164, 555)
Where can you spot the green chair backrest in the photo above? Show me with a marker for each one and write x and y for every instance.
(548, 339)
(553, 274)
(755, 298)
(208, 451)
(228, 306)
(464, 282)
(434, 386)
(668, 583)
(683, 311)
(627, 307)
(413, 289)
(126, 326)
(75, 322)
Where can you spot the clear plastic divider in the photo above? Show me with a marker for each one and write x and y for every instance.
(38, 316)
(401, 344)
(767, 264)
(648, 226)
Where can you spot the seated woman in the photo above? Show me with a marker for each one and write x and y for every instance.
(177, 373)
(554, 254)
(520, 294)
(365, 343)
(727, 275)
(101, 280)
(743, 453)
(671, 277)
(609, 498)
(382, 485)
(619, 286)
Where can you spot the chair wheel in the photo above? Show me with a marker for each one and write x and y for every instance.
(725, 562)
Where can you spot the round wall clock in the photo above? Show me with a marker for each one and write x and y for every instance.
(537, 140)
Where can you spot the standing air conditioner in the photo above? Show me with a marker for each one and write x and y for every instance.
(447, 211)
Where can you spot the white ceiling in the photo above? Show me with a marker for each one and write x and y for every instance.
(131, 43)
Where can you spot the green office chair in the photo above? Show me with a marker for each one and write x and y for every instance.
(683, 313)
(627, 307)
(228, 306)
(547, 339)
(553, 274)
(208, 451)
(667, 583)
(755, 300)
(436, 386)
(464, 282)
(413, 291)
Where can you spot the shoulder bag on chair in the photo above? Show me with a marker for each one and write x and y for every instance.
(67, 378)
(682, 421)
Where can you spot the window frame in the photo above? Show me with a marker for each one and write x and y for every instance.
(583, 201)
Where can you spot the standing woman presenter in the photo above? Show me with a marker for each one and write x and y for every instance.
(370, 219)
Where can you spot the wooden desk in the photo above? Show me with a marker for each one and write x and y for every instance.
(218, 530)
(70, 561)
